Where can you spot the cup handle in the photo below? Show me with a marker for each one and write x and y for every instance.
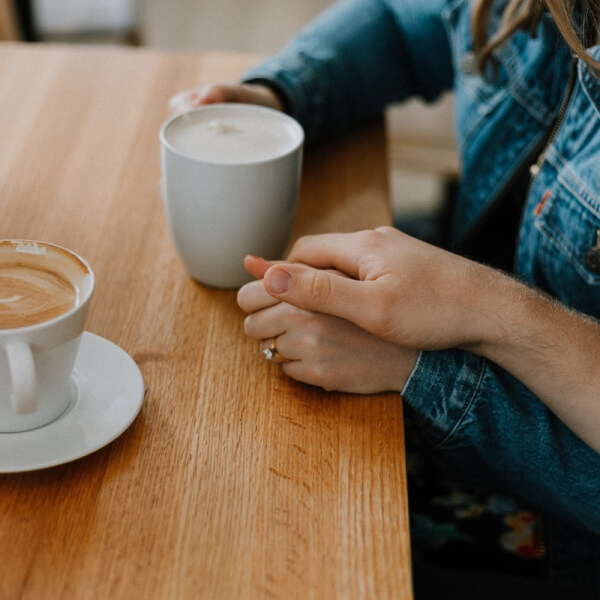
(22, 372)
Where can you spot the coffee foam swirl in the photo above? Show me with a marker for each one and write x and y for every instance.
(30, 295)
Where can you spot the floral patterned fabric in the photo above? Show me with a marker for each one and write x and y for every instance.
(455, 526)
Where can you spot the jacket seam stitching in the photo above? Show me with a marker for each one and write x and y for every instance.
(560, 164)
(467, 406)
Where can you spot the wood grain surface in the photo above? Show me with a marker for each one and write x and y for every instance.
(234, 482)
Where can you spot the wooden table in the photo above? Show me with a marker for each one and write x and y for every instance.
(234, 482)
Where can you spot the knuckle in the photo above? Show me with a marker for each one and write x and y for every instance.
(299, 245)
(298, 318)
(242, 298)
(370, 239)
(386, 230)
(312, 346)
(250, 328)
(319, 287)
(213, 92)
(221, 92)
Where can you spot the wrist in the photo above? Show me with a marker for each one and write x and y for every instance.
(512, 321)
(492, 299)
(275, 95)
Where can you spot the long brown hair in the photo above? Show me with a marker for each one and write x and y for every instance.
(526, 14)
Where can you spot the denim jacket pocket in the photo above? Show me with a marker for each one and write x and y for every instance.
(569, 225)
(559, 246)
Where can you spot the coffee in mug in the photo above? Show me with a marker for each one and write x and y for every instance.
(230, 182)
(229, 136)
(30, 295)
(45, 292)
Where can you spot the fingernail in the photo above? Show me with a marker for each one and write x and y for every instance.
(277, 281)
(256, 257)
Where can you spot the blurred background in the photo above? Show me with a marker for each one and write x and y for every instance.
(254, 26)
(421, 150)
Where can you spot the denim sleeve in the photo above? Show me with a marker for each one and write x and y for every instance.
(492, 430)
(356, 58)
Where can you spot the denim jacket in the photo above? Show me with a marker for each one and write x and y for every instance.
(363, 54)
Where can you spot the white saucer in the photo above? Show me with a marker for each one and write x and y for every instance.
(109, 395)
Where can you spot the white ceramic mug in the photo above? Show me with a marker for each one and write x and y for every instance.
(45, 291)
(230, 182)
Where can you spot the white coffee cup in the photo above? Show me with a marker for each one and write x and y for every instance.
(230, 182)
(45, 291)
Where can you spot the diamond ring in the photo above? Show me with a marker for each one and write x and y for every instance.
(271, 353)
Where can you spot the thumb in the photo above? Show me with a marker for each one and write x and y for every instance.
(320, 291)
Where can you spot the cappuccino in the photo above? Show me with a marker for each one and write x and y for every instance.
(45, 292)
(31, 294)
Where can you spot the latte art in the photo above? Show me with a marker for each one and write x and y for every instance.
(29, 295)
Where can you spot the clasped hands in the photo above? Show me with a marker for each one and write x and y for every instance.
(352, 311)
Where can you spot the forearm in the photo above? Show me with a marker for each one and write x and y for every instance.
(555, 352)
(333, 73)
(490, 429)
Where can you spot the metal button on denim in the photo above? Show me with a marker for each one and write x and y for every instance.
(592, 257)
(468, 63)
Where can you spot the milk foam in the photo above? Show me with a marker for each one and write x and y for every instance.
(29, 295)
(232, 136)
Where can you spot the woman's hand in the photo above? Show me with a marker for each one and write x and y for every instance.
(223, 93)
(324, 350)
